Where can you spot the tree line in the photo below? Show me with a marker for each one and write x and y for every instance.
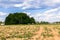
(22, 18)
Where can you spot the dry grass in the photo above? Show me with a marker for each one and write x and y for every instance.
(30, 32)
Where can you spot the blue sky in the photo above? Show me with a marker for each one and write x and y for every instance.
(41, 10)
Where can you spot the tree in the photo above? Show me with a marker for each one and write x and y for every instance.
(0, 22)
(43, 22)
(32, 20)
(18, 18)
(56, 22)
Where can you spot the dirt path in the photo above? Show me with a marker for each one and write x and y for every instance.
(55, 33)
(38, 36)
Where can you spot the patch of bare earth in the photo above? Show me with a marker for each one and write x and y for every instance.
(38, 36)
(54, 33)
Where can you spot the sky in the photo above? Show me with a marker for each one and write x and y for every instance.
(41, 10)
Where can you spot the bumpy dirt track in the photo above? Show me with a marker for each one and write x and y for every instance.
(48, 33)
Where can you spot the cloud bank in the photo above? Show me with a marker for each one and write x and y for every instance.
(51, 15)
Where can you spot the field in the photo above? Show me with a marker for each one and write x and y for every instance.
(30, 32)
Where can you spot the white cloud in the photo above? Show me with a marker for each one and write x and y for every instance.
(2, 19)
(18, 5)
(3, 14)
(29, 4)
(28, 13)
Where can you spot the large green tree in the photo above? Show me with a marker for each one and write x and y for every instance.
(18, 18)
(0, 22)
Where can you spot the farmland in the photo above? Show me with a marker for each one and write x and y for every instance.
(30, 32)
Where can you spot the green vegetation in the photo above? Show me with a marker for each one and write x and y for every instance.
(19, 18)
(43, 22)
(3, 38)
(0, 22)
